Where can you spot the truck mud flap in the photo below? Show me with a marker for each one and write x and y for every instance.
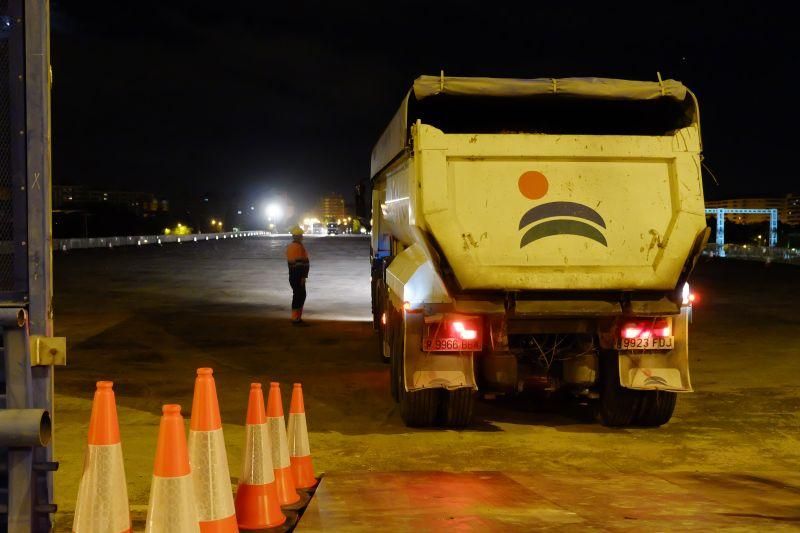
(424, 370)
(668, 371)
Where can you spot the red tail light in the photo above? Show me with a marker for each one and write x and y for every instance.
(463, 332)
(453, 333)
(645, 329)
(662, 328)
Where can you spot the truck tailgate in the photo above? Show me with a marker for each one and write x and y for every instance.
(555, 212)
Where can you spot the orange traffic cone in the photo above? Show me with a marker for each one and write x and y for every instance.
(102, 504)
(299, 449)
(280, 447)
(257, 504)
(209, 462)
(172, 501)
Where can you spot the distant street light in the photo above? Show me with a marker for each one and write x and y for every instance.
(274, 212)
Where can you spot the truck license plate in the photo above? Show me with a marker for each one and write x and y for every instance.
(442, 344)
(653, 343)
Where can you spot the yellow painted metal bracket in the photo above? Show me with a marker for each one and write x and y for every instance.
(47, 351)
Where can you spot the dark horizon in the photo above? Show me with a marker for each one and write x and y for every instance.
(248, 102)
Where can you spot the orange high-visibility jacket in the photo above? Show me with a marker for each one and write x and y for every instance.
(297, 257)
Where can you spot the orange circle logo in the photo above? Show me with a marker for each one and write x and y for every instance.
(533, 185)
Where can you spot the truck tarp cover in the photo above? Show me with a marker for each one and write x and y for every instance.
(426, 86)
(395, 137)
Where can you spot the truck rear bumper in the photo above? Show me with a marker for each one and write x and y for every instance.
(667, 371)
(433, 370)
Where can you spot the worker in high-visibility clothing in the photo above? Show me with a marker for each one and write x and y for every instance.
(297, 257)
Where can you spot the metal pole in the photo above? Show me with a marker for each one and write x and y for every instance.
(39, 179)
(773, 228)
(19, 395)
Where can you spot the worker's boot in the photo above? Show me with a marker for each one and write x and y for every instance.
(296, 316)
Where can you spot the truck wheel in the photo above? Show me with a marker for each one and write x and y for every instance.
(618, 405)
(376, 304)
(380, 306)
(396, 353)
(455, 408)
(417, 408)
(656, 408)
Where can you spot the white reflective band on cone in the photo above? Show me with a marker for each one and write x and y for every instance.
(298, 435)
(172, 506)
(212, 480)
(257, 467)
(102, 504)
(277, 434)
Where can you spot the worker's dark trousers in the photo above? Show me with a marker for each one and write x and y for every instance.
(298, 284)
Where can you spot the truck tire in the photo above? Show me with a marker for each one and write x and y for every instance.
(455, 407)
(656, 408)
(380, 306)
(376, 310)
(396, 355)
(618, 405)
(417, 408)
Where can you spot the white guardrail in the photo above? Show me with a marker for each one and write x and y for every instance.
(64, 245)
(751, 252)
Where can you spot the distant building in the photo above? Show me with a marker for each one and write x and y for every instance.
(788, 209)
(332, 208)
(792, 209)
(78, 196)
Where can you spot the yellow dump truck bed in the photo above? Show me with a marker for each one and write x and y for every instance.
(544, 212)
(547, 210)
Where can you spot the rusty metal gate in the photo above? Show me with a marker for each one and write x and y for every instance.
(28, 352)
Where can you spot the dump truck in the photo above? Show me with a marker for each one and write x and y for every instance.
(536, 235)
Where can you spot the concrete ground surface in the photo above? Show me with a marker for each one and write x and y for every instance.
(147, 317)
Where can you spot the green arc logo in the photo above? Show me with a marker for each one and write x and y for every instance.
(556, 218)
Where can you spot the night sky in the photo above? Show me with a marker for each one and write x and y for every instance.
(241, 100)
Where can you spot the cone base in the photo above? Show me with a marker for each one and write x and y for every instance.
(303, 471)
(257, 507)
(223, 525)
(284, 479)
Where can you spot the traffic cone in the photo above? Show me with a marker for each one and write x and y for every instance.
(208, 460)
(257, 504)
(172, 501)
(102, 504)
(280, 447)
(299, 449)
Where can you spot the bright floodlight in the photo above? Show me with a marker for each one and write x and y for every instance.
(274, 211)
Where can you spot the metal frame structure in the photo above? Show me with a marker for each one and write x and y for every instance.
(26, 314)
(720, 213)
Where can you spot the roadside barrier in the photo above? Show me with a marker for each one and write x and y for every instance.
(257, 503)
(64, 245)
(102, 504)
(280, 447)
(299, 448)
(208, 460)
(172, 506)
